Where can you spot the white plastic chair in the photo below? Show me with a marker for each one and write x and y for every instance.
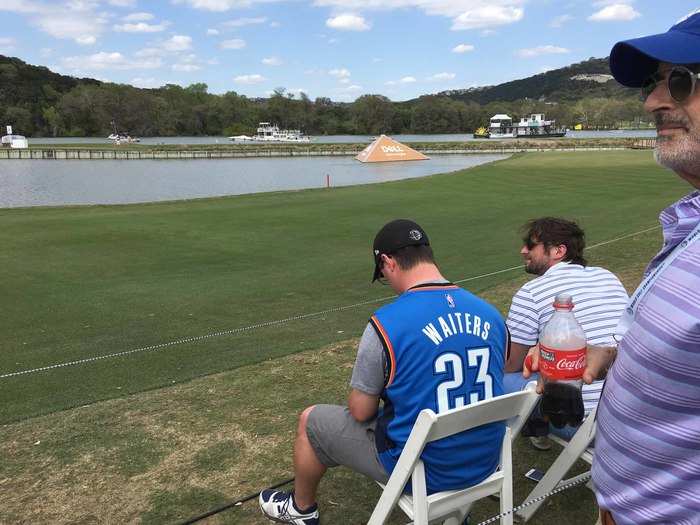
(452, 506)
(577, 447)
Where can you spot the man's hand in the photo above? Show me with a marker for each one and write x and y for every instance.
(599, 359)
(531, 365)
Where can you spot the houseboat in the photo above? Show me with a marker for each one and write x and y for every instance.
(13, 141)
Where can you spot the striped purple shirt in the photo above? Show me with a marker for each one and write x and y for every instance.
(647, 447)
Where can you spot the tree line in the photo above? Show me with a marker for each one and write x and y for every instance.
(37, 102)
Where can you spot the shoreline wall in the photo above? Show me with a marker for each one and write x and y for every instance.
(76, 153)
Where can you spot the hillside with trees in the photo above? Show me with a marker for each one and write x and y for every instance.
(39, 102)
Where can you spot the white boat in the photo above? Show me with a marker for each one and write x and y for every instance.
(122, 138)
(537, 127)
(241, 138)
(14, 141)
(501, 127)
(267, 132)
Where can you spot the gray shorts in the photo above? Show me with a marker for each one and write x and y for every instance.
(339, 439)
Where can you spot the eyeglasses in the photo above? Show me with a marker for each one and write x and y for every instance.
(530, 244)
(680, 83)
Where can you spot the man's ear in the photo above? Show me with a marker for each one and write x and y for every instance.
(389, 262)
(560, 251)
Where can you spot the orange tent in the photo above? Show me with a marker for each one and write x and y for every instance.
(386, 149)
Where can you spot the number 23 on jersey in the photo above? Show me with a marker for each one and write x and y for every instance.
(452, 392)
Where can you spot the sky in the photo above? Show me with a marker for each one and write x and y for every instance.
(340, 49)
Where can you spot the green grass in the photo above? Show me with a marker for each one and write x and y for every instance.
(90, 281)
(96, 280)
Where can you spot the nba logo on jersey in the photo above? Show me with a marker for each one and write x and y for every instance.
(450, 301)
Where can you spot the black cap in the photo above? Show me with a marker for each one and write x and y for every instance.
(392, 237)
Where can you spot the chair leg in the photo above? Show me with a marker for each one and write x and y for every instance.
(558, 470)
(457, 518)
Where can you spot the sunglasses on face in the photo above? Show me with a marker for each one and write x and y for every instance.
(680, 83)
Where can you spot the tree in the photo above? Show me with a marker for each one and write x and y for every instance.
(372, 114)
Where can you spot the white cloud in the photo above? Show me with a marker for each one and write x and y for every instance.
(122, 3)
(407, 80)
(348, 22)
(353, 88)
(177, 43)
(344, 81)
(240, 22)
(187, 68)
(212, 32)
(272, 61)
(138, 17)
(79, 25)
(441, 77)
(46, 52)
(541, 50)
(275, 24)
(615, 13)
(249, 79)
(104, 61)
(139, 27)
(463, 48)
(86, 40)
(235, 43)
(487, 16)
(220, 5)
(560, 20)
(339, 73)
(148, 83)
(466, 14)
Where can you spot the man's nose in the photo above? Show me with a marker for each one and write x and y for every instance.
(524, 250)
(659, 99)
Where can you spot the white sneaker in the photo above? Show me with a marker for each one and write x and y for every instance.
(279, 506)
(541, 442)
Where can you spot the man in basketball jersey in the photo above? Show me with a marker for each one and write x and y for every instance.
(436, 346)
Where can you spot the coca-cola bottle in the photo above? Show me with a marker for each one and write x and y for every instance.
(562, 362)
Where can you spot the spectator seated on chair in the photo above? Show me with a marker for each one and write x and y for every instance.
(553, 251)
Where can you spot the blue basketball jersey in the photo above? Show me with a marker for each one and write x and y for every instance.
(445, 348)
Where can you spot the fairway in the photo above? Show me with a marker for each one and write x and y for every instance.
(93, 281)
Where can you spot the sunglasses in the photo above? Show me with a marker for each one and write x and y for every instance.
(530, 244)
(680, 83)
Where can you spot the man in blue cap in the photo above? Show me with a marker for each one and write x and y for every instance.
(647, 450)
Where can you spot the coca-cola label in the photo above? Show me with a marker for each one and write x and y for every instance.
(557, 365)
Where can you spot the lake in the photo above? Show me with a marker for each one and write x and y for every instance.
(77, 182)
(342, 139)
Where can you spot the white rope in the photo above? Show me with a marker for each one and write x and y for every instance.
(267, 323)
(577, 481)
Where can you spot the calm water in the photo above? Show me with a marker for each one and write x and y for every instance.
(338, 139)
(64, 182)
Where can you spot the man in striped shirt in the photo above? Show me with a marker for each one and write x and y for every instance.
(647, 462)
(646, 468)
(553, 250)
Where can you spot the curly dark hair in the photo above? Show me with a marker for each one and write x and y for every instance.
(553, 231)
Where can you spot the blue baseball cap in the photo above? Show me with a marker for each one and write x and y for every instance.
(633, 61)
